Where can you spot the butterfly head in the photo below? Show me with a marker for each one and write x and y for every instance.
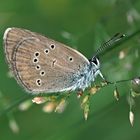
(95, 62)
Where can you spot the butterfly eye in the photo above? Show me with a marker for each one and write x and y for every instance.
(96, 61)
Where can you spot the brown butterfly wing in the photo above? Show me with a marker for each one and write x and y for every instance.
(41, 64)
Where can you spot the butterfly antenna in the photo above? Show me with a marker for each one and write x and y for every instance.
(116, 38)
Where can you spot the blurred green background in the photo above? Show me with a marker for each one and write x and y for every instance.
(83, 25)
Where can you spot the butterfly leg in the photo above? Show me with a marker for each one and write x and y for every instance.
(104, 79)
(101, 75)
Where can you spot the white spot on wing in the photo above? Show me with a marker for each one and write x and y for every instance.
(36, 54)
(38, 67)
(35, 60)
(6, 32)
(78, 53)
(42, 73)
(38, 82)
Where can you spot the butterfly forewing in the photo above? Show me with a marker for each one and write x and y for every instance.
(41, 64)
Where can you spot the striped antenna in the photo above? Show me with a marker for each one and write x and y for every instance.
(116, 38)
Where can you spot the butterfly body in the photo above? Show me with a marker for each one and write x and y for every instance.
(40, 64)
(86, 77)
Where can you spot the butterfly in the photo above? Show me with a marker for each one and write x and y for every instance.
(43, 65)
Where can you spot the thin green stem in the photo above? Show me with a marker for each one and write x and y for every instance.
(14, 104)
(107, 83)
